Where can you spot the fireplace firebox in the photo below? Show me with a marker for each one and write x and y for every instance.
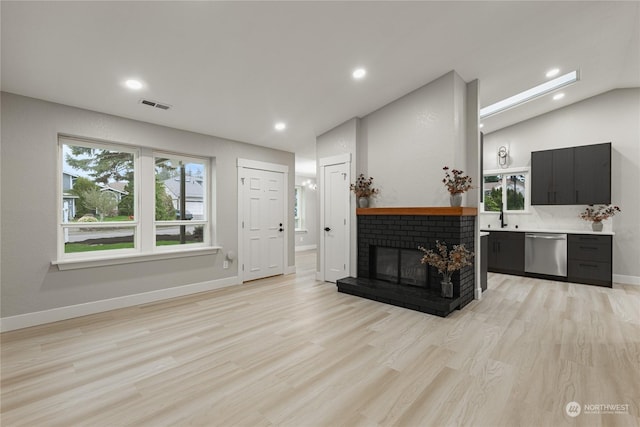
(399, 266)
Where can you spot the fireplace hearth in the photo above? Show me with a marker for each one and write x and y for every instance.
(389, 268)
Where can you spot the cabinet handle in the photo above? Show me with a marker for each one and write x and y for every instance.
(590, 248)
(588, 265)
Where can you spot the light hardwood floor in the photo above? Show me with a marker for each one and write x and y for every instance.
(293, 351)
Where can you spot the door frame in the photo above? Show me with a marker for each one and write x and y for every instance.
(322, 163)
(243, 164)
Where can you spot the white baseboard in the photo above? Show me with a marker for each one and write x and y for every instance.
(306, 248)
(290, 269)
(62, 313)
(319, 276)
(627, 280)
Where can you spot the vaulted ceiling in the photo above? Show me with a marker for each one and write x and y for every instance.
(233, 69)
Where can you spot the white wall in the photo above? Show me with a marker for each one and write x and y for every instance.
(610, 117)
(410, 140)
(307, 238)
(29, 283)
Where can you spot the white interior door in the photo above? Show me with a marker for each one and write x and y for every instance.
(336, 212)
(263, 224)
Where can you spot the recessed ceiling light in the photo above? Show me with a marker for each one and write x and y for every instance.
(280, 126)
(133, 84)
(558, 96)
(553, 72)
(481, 125)
(529, 94)
(359, 73)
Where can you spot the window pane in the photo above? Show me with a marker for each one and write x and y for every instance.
(492, 193)
(84, 239)
(515, 192)
(173, 177)
(179, 234)
(96, 183)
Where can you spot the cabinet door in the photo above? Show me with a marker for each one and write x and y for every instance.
(511, 253)
(541, 177)
(506, 252)
(593, 174)
(492, 252)
(563, 179)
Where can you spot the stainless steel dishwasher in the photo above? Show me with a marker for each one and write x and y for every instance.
(545, 253)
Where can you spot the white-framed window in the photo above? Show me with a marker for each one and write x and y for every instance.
(181, 208)
(94, 218)
(506, 190)
(118, 201)
(298, 208)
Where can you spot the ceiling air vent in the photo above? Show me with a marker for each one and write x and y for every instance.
(155, 104)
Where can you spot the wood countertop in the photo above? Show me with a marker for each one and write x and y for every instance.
(420, 211)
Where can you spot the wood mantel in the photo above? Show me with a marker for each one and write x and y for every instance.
(417, 211)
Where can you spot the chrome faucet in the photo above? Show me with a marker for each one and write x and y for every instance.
(502, 224)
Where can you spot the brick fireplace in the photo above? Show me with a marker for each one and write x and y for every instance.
(388, 258)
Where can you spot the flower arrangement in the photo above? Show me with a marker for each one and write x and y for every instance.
(599, 213)
(445, 260)
(457, 183)
(363, 187)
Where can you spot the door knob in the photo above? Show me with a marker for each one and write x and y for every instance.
(327, 229)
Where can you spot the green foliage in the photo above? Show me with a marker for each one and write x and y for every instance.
(198, 234)
(493, 199)
(70, 248)
(103, 202)
(80, 186)
(164, 205)
(515, 200)
(102, 165)
(125, 207)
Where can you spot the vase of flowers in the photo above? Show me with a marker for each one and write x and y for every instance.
(456, 184)
(447, 262)
(363, 189)
(597, 214)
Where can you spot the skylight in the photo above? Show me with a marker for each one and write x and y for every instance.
(529, 94)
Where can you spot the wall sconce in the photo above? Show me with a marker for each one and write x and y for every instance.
(503, 156)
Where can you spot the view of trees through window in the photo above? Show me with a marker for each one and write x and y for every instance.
(183, 199)
(97, 196)
(494, 191)
(99, 201)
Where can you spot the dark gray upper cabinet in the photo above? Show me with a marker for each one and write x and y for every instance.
(542, 177)
(571, 176)
(593, 174)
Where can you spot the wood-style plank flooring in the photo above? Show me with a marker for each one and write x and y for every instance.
(293, 351)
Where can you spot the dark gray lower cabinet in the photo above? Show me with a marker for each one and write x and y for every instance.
(484, 261)
(506, 252)
(589, 259)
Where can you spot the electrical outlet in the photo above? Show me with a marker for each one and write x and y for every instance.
(225, 264)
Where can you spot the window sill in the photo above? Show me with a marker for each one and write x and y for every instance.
(75, 264)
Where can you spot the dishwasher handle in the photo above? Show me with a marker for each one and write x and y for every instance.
(546, 236)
